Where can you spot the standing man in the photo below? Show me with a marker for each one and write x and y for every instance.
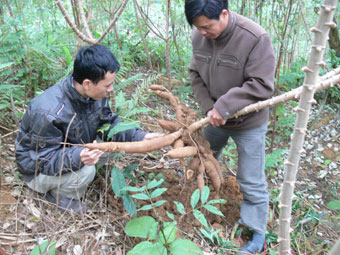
(233, 66)
(70, 111)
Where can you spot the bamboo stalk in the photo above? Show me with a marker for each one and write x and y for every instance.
(306, 99)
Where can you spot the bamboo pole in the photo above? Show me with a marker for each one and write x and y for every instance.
(306, 99)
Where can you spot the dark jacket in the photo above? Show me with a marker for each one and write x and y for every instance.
(233, 71)
(61, 114)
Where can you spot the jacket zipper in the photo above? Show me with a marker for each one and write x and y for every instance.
(206, 58)
(225, 61)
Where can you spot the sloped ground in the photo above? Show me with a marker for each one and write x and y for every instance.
(26, 219)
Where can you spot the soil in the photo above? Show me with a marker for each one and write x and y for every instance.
(27, 220)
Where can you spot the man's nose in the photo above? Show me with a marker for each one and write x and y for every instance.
(110, 88)
(203, 32)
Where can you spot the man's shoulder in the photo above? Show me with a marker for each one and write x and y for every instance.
(49, 100)
(249, 25)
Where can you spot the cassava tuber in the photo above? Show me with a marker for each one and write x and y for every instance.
(135, 147)
(182, 152)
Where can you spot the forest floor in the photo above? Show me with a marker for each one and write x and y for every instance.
(27, 220)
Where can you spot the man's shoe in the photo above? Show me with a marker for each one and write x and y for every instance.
(250, 248)
(255, 245)
(66, 204)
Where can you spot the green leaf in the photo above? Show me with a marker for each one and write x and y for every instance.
(103, 128)
(148, 248)
(146, 208)
(205, 194)
(158, 192)
(271, 252)
(168, 235)
(68, 60)
(195, 198)
(179, 207)
(133, 189)
(170, 215)
(184, 247)
(129, 205)
(213, 209)
(160, 202)
(9, 86)
(217, 201)
(154, 183)
(142, 227)
(117, 181)
(120, 127)
(45, 248)
(200, 217)
(96, 34)
(141, 196)
(334, 205)
(128, 172)
(3, 66)
(65, 51)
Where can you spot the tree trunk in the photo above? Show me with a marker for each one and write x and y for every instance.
(334, 40)
(142, 35)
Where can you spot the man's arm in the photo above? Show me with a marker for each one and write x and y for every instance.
(199, 88)
(135, 134)
(39, 149)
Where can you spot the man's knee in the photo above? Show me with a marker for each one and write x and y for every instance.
(86, 175)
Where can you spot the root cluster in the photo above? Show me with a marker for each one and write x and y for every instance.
(191, 144)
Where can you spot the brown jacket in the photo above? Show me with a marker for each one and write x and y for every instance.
(233, 71)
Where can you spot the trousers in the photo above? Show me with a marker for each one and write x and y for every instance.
(250, 173)
(72, 185)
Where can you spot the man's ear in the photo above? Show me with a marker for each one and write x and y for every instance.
(224, 12)
(86, 84)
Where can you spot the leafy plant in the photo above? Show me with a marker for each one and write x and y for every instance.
(161, 238)
(334, 205)
(45, 248)
(216, 240)
(162, 235)
(231, 156)
(118, 184)
(274, 161)
(208, 205)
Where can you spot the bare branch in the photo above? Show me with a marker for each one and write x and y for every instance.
(119, 12)
(83, 19)
(73, 26)
(153, 27)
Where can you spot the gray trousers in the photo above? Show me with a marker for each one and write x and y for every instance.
(71, 185)
(250, 174)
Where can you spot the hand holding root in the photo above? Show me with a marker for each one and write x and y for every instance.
(90, 157)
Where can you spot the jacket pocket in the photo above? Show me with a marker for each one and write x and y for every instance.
(76, 131)
(41, 142)
(228, 61)
(202, 56)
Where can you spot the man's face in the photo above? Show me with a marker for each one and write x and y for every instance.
(102, 88)
(211, 28)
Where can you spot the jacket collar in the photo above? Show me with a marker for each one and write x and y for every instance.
(229, 30)
(74, 95)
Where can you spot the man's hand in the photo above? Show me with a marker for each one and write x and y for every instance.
(216, 119)
(90, 157)
(150, 136)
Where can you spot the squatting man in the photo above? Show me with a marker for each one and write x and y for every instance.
(72, 111)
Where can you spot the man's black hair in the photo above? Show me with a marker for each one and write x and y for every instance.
(93, 63)
(209, 8)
